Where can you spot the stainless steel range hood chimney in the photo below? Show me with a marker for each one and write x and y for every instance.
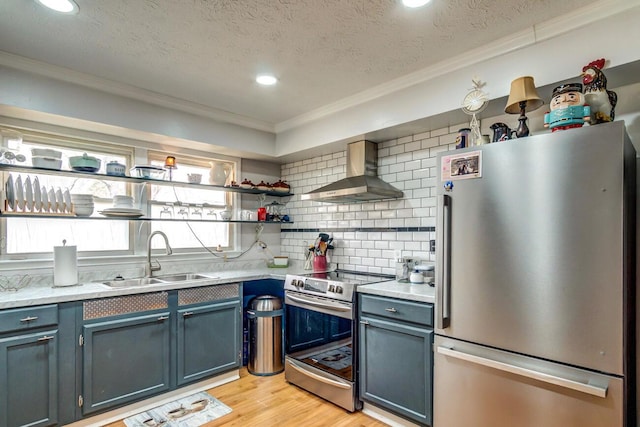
(362, 183)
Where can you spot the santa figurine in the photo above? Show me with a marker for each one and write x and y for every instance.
(567, 108)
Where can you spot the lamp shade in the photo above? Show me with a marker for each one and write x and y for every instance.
(170, 162)
(523, 89)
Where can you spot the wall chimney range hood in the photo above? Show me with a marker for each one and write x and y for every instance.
(361, 184)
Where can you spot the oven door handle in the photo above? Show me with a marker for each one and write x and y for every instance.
(319, 377)
(327, 305)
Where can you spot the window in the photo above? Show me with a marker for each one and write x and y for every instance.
(38, 235)
(35, 236)
(190, 203)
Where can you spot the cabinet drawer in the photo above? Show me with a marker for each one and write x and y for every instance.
(407, 311)
(29, 317)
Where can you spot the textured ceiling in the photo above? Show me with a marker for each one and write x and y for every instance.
(208, 51)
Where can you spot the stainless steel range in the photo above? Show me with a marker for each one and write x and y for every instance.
(320, 333)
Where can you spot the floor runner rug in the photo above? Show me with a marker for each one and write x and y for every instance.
(191, 411)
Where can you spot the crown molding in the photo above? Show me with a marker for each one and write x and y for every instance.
(560, 25)
(75, 77)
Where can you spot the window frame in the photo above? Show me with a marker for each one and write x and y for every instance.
(135, 152)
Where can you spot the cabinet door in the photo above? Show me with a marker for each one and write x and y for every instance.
(208, 340)
(125, 360)
(396, 368)
(28, 380)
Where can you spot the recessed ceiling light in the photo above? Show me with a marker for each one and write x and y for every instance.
(266, 79)
(415, 3)
(62, 6)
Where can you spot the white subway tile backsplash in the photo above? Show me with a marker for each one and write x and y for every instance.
(412, 146)
(374, 253)
(407, 163)
(404, 157)
(405, 139)
(367, 261)
(412, 165)
(404, 176)
(423, 135)
(431, 142)
(397, 149)
(441, 131)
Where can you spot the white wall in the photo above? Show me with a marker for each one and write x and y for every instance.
(543, 52)
(28, 96)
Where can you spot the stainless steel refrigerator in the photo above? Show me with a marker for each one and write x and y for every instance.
(535, 286)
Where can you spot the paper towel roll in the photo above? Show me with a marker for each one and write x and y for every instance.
(65, 266)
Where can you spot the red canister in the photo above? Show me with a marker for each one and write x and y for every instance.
(262, 214)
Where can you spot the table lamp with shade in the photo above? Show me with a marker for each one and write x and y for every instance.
(170, 164)
(523, 97)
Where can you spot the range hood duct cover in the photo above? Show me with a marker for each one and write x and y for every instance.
(362, 183)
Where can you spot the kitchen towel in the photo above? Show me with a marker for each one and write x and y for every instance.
(65, 265)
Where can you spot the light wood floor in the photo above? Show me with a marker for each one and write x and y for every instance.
(271, 401)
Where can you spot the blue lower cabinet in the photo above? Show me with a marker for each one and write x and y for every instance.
(125, 360)
(29, 379)
(396, 357)
(208, 340)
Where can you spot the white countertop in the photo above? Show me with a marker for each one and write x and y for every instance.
(395, 289)
(38, 295)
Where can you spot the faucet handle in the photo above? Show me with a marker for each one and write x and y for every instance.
(155, 267)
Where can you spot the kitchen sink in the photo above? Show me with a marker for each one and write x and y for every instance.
(144, 281)
(132, 282)
(184, 277)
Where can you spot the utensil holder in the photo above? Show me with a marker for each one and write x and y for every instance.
(320, 263)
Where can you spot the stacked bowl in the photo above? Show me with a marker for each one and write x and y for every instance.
(82, 204)
(123, 202)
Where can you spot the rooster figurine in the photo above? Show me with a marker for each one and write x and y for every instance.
(602, 101)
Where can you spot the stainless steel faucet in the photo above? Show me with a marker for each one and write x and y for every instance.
(149, 267)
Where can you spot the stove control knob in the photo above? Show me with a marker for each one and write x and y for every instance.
(296, 282)
(339, 289)
(332, 288)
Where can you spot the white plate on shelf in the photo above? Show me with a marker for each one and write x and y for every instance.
(28, 193)
(19, 193)
(52, 200)
(59, 201)
(10, 194)
(122, 212)
(67, 200)
(45, 199)
(37, 195)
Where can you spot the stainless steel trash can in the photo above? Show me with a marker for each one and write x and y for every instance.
(264, 314)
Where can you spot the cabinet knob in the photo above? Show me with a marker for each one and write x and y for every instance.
(29, 319)
(45, 338)
(161, 318)
(364, 322)
(391, 310)
(187, 314)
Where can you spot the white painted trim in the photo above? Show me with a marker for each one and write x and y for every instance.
(82, 79)
(136, 408)
(553, 28)
(386, 417)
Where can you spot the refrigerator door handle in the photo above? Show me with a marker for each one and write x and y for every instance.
(529, 373)
(443, 252)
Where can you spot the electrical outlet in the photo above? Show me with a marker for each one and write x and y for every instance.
(397, 253)
(432, 246)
